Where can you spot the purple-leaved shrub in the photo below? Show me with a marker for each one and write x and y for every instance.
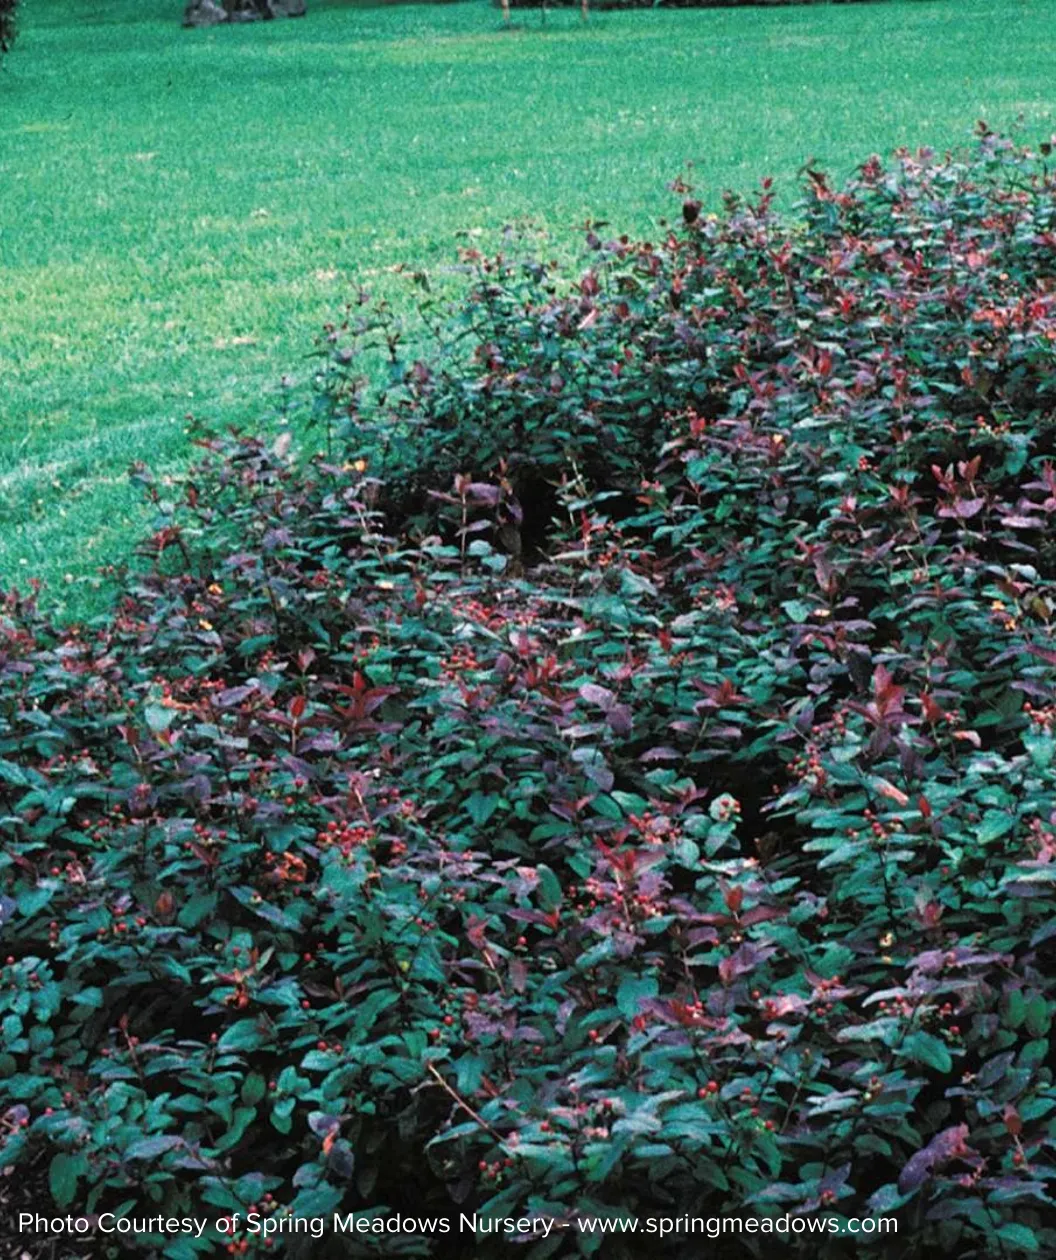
(686, 849)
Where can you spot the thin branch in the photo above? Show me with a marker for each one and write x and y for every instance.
(463, 1104)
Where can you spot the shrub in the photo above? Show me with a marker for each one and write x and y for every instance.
(7, 24)
(554, 377)
(703, 869)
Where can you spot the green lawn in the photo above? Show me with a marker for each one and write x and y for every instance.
(182, 210)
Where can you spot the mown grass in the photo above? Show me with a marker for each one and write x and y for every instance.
(182, 210)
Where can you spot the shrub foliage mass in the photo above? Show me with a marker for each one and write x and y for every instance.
(7, 24)
(618, 779)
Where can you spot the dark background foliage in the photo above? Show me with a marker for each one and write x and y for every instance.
(7, 24)
(617, 779)
(671, 4)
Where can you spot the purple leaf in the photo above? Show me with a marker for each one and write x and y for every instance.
(744, 961)
(619, 718)
(949, 1144)
(1022, 522)
(323, 1125)
(659, 754)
